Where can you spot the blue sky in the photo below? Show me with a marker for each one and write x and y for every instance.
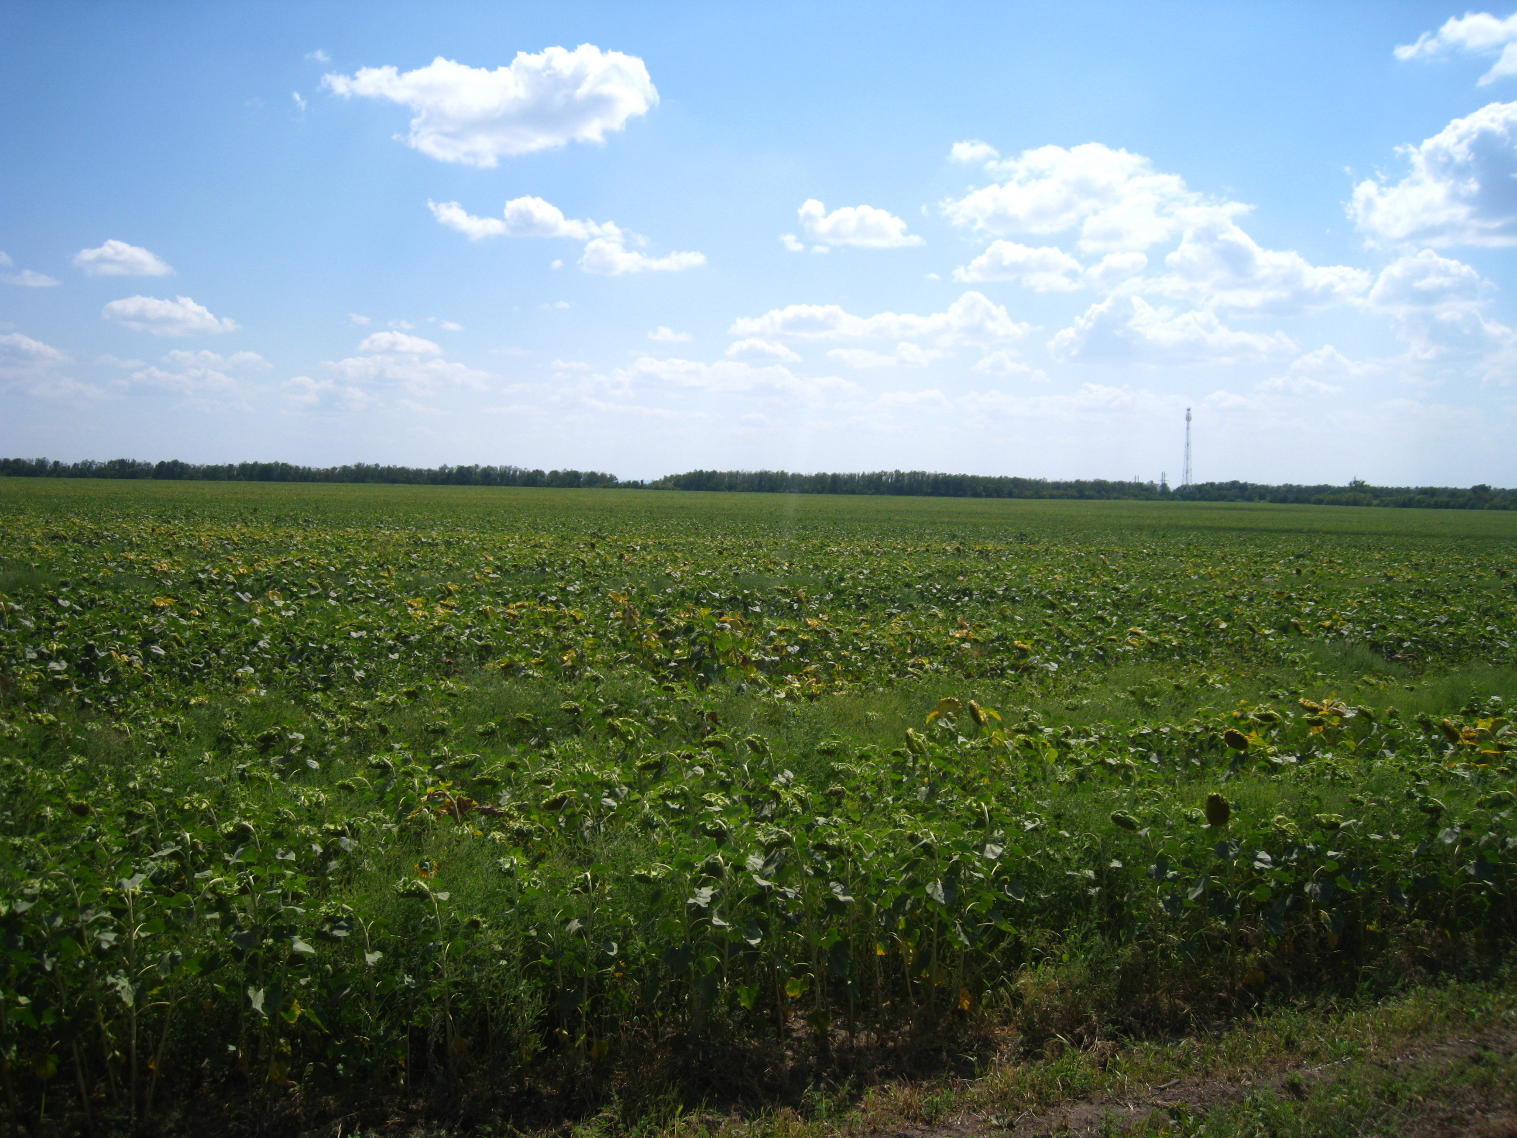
(998, 238)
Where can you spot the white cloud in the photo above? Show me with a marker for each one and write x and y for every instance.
(1089, 399)
(1218, 265)
(735, 376)
(1114, 268)
(358, 319)
(973, 152)
(21, 355)
(1003, 361)
(118, 259)
(1462, 188)
(202, 377)
(178, 317)
(763, 351)
(237, 361)
(1427, 280)
(521, 217)
(32, 367)
(299, 101)
(610, 258)
(1115, 199)
(906, 354)
(1128, 328)
(972, 318)
(318, 56)
(308, 391)
(25, 278)
(446, 325)
(540, 102)
(605, 252)
(29, 278)
(666, 335)
(408, 362)
(66, 388)
(1478, 33)
(861, 226)
(1041, 268)
(1436, 308)
(398, 343)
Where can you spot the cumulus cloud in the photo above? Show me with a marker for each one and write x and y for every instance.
(541, 101)
(1003, 361)
(1323, 371)
(1461, 188)
(1078, 405)
(32, 367)
(906, 354)
(312, 394)
(1218, 265)
(202, 377)
(727, 376)
(610, 258)
(409, 363)
(118, 259)
(1436, 307)
(25, 278)
(1042, 268)
(398, 343)
(178, 317)
(972, 318)
(972, 152)
(606, 250)
(521, 217)
(1114, 268)
(29, 278)
(762, 351)
(1128, 328)
(861, 226)
(21, 355)
(1116, 200)
(1474, 33)
(796, 245)
(666, 335)
(237, 361)
(1426, 280)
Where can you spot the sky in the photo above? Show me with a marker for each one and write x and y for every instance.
(993, 238)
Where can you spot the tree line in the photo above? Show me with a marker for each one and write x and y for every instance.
(921, 483)
(173, 469)
(911, 483)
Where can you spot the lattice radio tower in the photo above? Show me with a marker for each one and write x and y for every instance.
(1185, 474)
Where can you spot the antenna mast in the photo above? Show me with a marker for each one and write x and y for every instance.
(1185, 476)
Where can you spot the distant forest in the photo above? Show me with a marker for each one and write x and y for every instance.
(913, 483)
